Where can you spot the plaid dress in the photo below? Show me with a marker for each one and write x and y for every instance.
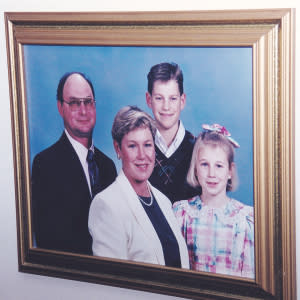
(219, 240)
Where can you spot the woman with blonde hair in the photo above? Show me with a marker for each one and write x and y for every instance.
(131, 219)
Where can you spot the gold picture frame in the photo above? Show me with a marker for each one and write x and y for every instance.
(271, 35)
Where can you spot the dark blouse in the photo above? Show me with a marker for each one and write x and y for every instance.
(164, 232)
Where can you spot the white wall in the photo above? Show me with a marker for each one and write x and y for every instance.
(15, 285)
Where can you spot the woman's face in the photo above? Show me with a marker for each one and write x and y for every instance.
(213, 170)
(138, 155)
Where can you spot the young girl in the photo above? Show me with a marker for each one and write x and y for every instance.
(219, 231)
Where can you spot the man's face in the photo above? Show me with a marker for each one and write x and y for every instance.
(80, 121)
(166, 104)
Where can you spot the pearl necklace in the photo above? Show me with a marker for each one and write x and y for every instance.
(151, 198)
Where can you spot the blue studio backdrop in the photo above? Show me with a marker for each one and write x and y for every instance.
(217, 83)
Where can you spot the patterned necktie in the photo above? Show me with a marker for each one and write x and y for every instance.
(94, 173)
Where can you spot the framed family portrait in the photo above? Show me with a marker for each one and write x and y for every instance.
(238, 70)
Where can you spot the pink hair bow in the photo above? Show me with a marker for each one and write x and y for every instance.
(222, 130)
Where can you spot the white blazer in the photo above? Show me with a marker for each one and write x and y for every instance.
(121, 228)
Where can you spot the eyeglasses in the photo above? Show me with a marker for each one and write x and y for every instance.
(75, 103)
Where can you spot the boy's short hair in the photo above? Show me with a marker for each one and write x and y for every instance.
(165, 72)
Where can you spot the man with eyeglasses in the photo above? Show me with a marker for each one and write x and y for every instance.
(67, 175)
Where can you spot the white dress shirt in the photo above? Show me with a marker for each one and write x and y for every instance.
(82, 152)
(163, 147)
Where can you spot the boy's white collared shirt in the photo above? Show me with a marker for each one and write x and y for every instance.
(163, 147)
(82, 152)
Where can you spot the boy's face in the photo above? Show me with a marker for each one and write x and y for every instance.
(166, 104)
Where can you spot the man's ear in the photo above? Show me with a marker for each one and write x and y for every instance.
(149, 100)
(60, 107)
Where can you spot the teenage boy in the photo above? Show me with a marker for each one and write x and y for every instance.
(173, 144)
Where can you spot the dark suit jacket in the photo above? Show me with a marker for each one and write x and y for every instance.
(61, 198)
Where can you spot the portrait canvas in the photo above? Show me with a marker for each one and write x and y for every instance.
(217, 83)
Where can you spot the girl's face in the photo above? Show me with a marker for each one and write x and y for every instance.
(213, 170)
